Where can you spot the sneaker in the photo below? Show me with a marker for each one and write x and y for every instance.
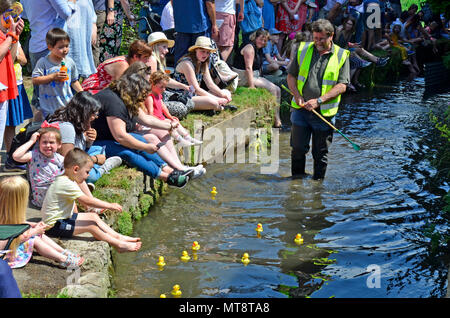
(110, 163)
(184, 142)
(198, 172)
(177, 179)
(12, 167)
(411, 52)
(365, 63)
(194, 141)
(382, 61)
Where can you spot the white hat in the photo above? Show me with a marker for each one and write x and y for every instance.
(156, 37)
(202, 42)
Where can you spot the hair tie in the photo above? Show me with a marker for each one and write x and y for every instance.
(45, 124)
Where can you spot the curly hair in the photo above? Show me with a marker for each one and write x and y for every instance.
(78, 111)
(159, 76)
(133, 89)
(138, 67)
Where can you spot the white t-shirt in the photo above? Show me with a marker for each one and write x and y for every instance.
(167, 21)
(59, 201)
(227, 6)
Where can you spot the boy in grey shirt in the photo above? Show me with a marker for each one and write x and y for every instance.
(55, 84)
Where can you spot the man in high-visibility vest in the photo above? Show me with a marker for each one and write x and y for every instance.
(316, 78)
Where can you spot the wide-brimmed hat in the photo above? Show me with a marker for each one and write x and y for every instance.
(156, 37)
(202, 42)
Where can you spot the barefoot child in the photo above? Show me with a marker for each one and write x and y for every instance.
(14, 193)
(59, 209)
(156, 107)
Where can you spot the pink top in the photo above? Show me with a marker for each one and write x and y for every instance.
(157, 106)
(100, 80)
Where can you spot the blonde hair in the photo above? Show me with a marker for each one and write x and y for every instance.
(161, 64)
(14, 193)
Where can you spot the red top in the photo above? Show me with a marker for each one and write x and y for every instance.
(157, 106)
(100, 80)
(7, 75)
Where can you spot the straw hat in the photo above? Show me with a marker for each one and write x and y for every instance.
(156, 37)
(202, 42)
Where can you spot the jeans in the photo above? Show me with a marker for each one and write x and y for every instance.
(304, 125)
(149, 164)
(95, 173)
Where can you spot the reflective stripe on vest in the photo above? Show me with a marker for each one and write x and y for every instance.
(331, 75)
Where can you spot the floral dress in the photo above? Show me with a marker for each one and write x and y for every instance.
(101, 79)
(283, 21)
(111, 37)
(23, 254)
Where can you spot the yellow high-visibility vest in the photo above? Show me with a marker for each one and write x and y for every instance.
(331, 75)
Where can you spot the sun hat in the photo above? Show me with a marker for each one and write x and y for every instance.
(156, 37)
(202, 42)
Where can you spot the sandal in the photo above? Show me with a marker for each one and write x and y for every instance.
(95, 210)
(67, 252)
(72, 261)
(230, 107)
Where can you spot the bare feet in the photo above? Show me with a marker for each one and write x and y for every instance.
(128, 238)
(128, 247)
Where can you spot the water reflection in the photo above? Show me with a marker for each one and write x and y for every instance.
(373, 208)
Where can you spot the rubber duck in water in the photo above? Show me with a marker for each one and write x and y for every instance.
(245, 259)
(176, 290)
(213, 191)
(185, 256)
(259, 228)
(195, 246)
(161, 262)
(298, 239)
(162, 296)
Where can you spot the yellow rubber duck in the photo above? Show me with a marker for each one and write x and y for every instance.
(161, 262)
(185, 256)
(298, 239)
(176, 290)
(259, 228)
(245, 259)
(213, 191)
(195, 246)
(162, 296)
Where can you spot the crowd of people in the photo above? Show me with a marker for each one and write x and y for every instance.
(97, 109)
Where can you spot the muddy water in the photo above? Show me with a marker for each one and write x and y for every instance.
(363, 226)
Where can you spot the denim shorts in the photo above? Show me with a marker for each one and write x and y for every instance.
(63, 227)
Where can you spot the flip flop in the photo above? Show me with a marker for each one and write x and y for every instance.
(230, 107)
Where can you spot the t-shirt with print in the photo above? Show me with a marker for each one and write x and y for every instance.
(54, 94)
(59, 203)
(43, 171)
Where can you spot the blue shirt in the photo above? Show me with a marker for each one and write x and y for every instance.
(44, 15)
(190, 16)
(99, 5)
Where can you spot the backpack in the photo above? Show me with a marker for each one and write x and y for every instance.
(22, 137)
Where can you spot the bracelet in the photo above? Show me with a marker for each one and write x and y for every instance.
(14, 36)
(96, 159)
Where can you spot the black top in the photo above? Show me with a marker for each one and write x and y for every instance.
(112, 106)
(239, 61)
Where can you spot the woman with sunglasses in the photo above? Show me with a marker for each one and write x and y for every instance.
(113, 68)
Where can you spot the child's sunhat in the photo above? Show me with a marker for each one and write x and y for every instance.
(156, 37)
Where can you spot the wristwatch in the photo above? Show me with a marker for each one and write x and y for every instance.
(110, 9)
(319, 101)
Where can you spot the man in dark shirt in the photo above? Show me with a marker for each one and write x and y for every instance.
(313, 95)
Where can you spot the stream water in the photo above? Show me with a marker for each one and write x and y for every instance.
(363, 227)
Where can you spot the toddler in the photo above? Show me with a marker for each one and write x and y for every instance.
(156, 107)
(44, 162)
(59, 209)
(55, 84)
(14, 193)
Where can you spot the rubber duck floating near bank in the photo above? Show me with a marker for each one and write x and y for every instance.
(161, 262)
(176, 291)
(259, 229)
(298, 239)
(195, 246)
(185, 256)
(245, 259)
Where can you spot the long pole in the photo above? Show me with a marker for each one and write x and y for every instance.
(355, 146)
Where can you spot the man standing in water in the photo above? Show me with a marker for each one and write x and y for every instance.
(316, 78)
